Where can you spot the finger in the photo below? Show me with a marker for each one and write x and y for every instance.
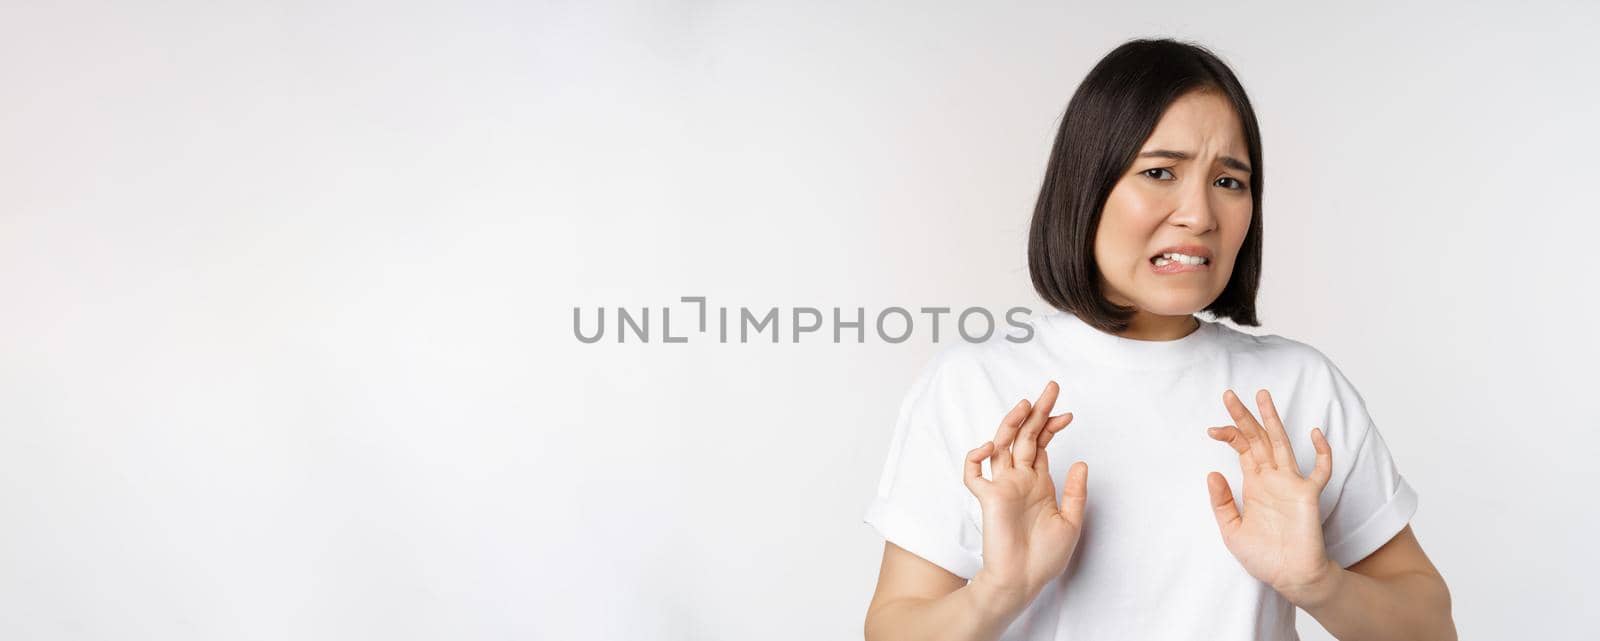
(1075, 493)
(1222, 505)
(1028, 441)
(1235, 439)
(973, 476)
(1053, 427)
(1282, 451)
(1324, 467)
(1260, 449)
(1009, 425)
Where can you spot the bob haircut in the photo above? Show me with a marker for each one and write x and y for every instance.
(1113, 112)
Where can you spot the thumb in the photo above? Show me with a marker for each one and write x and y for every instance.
(1222, 505)
(1075, 493)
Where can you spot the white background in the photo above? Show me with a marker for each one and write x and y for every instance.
(286, 346)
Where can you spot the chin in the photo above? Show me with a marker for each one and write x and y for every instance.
(1175, 303)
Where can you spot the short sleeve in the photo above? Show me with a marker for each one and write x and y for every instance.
(921, 503)
(1370, 500)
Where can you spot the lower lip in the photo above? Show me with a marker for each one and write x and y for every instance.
(1176, 267)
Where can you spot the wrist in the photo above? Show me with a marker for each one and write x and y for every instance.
(995, 601)
(1317, 589)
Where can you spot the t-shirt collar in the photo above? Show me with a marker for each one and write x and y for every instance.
(1090, 342)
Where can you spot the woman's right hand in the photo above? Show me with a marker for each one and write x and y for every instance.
(1027, 537)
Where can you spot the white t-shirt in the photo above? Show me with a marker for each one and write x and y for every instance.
(1150, 563)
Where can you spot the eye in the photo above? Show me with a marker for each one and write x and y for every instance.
(1237, 184)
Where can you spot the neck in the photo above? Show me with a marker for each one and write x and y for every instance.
(1145, 326)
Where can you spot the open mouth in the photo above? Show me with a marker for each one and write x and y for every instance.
(1162, 260)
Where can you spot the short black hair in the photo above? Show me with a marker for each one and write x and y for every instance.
(1112, 113)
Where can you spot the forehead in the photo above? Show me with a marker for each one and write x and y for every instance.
(1200, 120)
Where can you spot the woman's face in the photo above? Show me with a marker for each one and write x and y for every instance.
(1200, 204)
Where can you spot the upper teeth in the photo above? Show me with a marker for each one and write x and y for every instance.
(1182, 258)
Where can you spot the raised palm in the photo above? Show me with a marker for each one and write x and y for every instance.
(1028, 537)
(1277, 537)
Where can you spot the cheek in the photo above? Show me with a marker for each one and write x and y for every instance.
(1238, 229)
(1116, 243)
(1126, 226)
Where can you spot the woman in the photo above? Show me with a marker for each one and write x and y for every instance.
(1150, 211)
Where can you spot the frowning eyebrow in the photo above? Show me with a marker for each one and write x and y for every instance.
(1229, 161)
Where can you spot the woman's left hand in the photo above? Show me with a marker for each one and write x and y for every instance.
(1278, 538)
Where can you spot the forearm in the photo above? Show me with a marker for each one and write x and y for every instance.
(967, 614)
(1411, 606)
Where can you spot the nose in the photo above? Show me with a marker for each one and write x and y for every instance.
(1196, 211)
